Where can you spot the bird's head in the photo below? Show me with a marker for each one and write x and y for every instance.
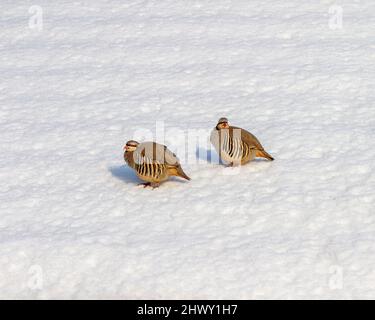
(131, 146)
(222, 124)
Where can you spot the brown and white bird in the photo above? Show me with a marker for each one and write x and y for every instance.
(152, 162)
(235, 145)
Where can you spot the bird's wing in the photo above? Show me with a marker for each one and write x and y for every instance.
(170, 158)
(153, 152)
(249, 138)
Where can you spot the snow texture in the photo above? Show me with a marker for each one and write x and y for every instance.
(74, 223)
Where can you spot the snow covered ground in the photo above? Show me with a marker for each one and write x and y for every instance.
(93, 74)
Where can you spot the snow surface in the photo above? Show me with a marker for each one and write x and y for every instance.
(73, 223)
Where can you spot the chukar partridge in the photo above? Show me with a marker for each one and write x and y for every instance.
(235, 145)
(152, 162)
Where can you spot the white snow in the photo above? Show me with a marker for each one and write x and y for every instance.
(73, 223)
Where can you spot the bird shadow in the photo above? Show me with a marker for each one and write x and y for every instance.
(203, 154)
(208, 155)
(124, 173)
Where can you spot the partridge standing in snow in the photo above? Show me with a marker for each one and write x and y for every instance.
(152, 162)
(236, 145)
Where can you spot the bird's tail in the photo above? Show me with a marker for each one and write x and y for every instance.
(177, 171)
(264, 154)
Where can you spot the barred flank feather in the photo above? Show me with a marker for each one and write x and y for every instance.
(151, 170)
(233, 149)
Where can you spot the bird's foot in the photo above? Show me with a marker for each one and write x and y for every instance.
(153, 185)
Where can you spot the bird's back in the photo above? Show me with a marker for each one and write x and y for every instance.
(248, 138)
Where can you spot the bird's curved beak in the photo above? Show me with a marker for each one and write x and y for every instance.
(125, 148)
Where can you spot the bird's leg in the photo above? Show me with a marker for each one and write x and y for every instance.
(145, 184)
(229, 165)
(155, 185)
